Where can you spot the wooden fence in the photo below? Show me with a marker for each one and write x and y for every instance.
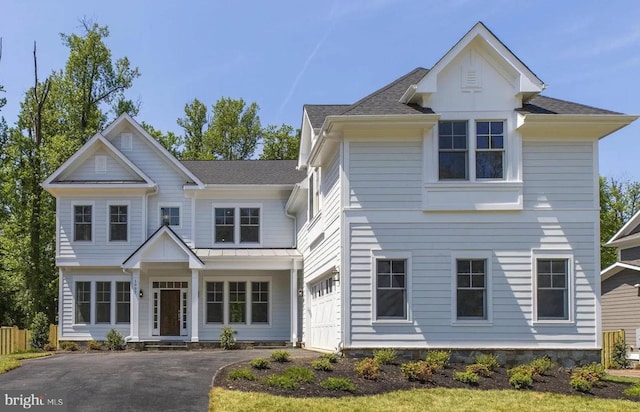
(609, 339)
(13, 339)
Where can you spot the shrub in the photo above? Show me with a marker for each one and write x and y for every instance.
(227, 339)
(281, 381)
(300, 374)
(69, 346)
(322, 365)
(488, 360)
(39, 330)
(384, 356)
(114, 340)
(259, 363)
(467, 377)
(331, 357)
(520, 380)
(580, 384)
(541, 366)
(280, 356)
(593, 372)
(524, 369)
(419, 371)
(95, 345)
(338, 384)
(368, 368)
(438, 359)
(633, 390)
(50, 347)
(479, 369)
(244, 374)
(619, 356)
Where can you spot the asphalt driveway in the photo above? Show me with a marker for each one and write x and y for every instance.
(128, 381)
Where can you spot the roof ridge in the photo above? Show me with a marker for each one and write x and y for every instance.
(384, 88)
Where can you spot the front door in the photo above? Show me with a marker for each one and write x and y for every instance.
(170, 313)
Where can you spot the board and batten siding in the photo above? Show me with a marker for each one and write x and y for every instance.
(558, 175)
(87, 170)
(430, 244)
(385, 174)
(621, 305)
(100, 251)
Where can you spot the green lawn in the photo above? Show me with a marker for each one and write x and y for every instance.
(419, 400)
(12, 361)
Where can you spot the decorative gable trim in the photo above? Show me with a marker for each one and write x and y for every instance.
(136, 258)
(624, 231)
(615, 269)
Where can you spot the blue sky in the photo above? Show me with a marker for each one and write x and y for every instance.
(282, 54)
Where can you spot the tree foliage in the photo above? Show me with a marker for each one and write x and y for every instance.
(234, 131)
(619, 201)
(280, 143)
(193, 123)
(169, 140)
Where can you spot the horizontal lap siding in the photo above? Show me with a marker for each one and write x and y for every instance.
(621, 305)
(385, 174)
(558, 174)
(87, 170)
(431, 244)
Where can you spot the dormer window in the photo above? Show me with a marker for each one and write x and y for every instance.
(490, 150)
(453, 150)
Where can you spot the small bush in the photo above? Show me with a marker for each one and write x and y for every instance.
(489, 360)
(633, 391)
(281, 381)
(466, 377)
(479, 369)
(322, 365)
(368, 368)
(114, 340)
(50, 347)
(280, 356)
(260, 363)
(524, 369)
(384, 356)
(69, 346)
(242, 374)
(338, 384)
(592, 373)
(227, 338)
(520, 380)
(300, 374)
(95, 345)
(580, 384)
(619, 356)
(541, 366)
(419, 371)
(39, 330)
(331, 357)
(438, 359)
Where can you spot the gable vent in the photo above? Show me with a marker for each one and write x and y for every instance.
(126, 141)
(471, 78)
(101, 164)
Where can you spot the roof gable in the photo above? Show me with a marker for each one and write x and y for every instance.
(164, 245)
(628, 229)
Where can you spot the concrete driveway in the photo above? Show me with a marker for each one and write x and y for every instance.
(128, 381)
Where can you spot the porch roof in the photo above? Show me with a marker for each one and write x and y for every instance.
(212, 253)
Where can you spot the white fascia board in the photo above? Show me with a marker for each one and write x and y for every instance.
(587, 125)
(615, 269)
(179, 166)
(633, 222)
(78, 154)
(294, 199)
(625, 241)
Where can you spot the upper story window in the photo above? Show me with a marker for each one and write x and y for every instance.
(82, 223)
(170, 216)
(237, 225)
(118, 215)
(489, 150)
(453, 150)
(314, 194)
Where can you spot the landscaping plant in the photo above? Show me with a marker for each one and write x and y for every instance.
(331, 357)
(243, 373)
(419, 371)
(368, 368)
(280, 356)
(322, 365)
(260, 363)
(384, 356)
(227, 339)
(94, 345)
(338, 384)
(114, 340)
(489, 360)
(619, 356)
(467, 377)
(438, 359)
(39, 331)
(479, 369)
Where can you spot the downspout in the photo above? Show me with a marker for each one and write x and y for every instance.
(294, 192)
(128, 337)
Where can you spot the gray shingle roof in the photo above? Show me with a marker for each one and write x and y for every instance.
(549, 105)
(317, 112)
(244, 172)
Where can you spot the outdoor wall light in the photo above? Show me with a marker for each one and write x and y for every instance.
(637, 286)
(141, 293)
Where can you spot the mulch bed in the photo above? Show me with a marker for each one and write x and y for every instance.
(391, 379)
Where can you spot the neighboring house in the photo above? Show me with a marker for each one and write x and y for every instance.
(621, 286)
(453, 208)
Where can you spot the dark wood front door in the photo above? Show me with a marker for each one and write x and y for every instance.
(170, 313)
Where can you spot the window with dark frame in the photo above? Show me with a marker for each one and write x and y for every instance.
(553, 291)
(237, 302)
(224, 224)
(471, 295)
(170, 216)
(118, 223)
(83, 302)
(259, 302)
(391, 289)
(215, 300)
(82, 223)
(123, 302)
(489, 150)
(103, 302)
(249, 225)
(452, 150)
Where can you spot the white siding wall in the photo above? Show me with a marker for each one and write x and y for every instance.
(100, 251)
(87, 170)
(558, 174)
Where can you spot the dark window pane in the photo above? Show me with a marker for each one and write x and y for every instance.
(249, 234)
(544, 266)
(83, 302)
(464, 281)
(470, 304)
(384, 281)
(497, 127)
(482, 127)
(497, 142)
(224, 234)
(445, 142)
(237, 313)
(445, 128)
(214, 312)
(552, 304)
(489, 165)
(123, 313)
(459, 142)
(452, 165)
(390, 303)
(482, 142)
(559, 266)
(478, 266)
(558, 281)
(384, 266)
(259, 312)
(460, 128)
(397, 281)
(397, 266)
(544, 281)
(464, 266)
(477, 281)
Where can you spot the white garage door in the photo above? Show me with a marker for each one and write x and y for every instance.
(322, 315)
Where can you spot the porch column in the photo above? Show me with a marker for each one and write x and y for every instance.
(294, 302)
(135, 305)
(194, 304)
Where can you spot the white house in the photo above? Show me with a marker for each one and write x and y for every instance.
(454, 208)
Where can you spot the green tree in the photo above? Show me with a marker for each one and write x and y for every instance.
(193, 123)
(619, 201)
(234, 131)
(169, 141)
(280, 143)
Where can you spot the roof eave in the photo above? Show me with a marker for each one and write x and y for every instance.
(590, 125)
